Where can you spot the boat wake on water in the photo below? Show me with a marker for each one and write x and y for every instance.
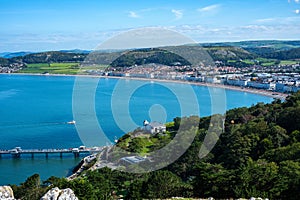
(35, 124)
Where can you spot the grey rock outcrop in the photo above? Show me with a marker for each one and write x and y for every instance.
(6, 193)
(58, 194)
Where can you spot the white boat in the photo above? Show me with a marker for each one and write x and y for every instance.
(71, 122)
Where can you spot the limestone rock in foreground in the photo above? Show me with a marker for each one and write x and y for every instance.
(6, 193)
(57, 194)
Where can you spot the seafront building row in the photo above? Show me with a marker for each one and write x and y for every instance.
(285, 83)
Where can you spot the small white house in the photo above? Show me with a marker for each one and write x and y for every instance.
(154, 127)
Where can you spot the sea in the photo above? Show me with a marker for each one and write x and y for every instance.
(35, 111)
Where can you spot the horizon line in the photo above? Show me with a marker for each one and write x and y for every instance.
(209, 42)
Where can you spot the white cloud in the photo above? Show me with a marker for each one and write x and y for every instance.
(297, 11)
(296, 1)
(209, 8)
(266, 20)
(133, 14)
(279, 20)
(178, 13)
(211, 33)
(256, 28)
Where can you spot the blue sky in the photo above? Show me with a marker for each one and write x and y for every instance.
(39, 25)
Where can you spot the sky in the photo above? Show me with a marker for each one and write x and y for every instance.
(42, 25)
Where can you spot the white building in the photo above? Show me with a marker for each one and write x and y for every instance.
(289, 89)
(154, 127)
(279, 87)
(259, 85)
(237, 82)
(212, 80)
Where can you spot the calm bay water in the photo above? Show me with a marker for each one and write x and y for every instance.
(34, 111)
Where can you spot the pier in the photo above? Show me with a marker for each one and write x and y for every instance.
(18, 151)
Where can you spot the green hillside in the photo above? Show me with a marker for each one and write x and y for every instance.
(51, 56)
(284, 55)
(257, 155)
(146, 56)
(276, 45)
(225, 53)
(237, 54)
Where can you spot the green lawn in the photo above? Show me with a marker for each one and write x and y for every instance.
(266, 64)
(248, 61)
(288, 62)
(59, 68)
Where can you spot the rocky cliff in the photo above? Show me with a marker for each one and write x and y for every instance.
(57, 194)
(6, 193)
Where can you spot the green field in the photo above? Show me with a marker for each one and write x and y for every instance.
(265, 62)
(59, 68)
(288, 62)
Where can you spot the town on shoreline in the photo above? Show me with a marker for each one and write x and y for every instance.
(246, 66)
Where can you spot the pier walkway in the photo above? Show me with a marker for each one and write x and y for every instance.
(18, 151)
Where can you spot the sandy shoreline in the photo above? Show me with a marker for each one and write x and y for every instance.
(272, 94)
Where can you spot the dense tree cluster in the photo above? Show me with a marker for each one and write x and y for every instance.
(282, 55)
(258, 154)
(8, 62)
(51, 56)
(147, 56)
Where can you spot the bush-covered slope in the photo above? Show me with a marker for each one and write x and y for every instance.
(257, 155)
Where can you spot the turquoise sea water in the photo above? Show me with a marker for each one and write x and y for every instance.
(34, 111)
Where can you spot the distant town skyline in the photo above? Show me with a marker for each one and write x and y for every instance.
(75, 24)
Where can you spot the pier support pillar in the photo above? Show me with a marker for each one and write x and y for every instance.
(32, 155)
(76, 154)
(46, 155)
(16, 155)
(60, 154)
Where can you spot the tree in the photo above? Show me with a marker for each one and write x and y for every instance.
(234, 149)
(259, 179)
(290, 172)
(162, 184)
(290, 118)
(278, 136)
(293, 100)
(290, 152)
(136, 190)
(213, 180)
(101, 185)
(30, 189)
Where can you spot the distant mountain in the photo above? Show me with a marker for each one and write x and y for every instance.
(272, 44)
(3, 54)
(76, 51)
(14, 54)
